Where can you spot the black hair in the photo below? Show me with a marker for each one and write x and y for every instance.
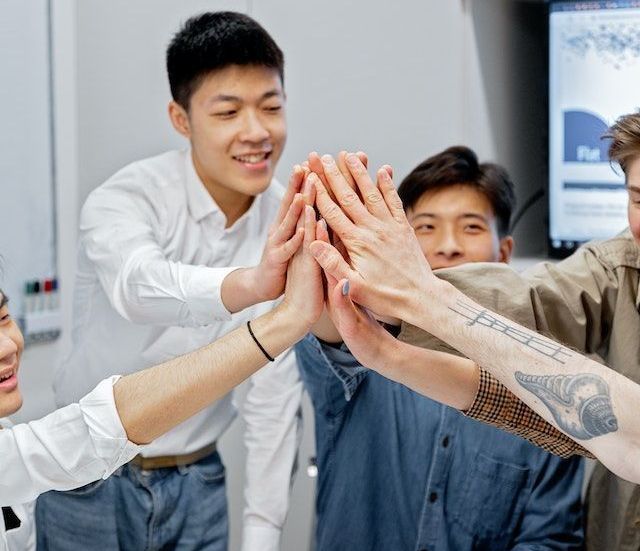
(459, 165)
(213, 41)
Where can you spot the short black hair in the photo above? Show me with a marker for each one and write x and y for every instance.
(459, 165)
(215, 40)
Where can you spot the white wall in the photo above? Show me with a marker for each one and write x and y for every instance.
(399, 81)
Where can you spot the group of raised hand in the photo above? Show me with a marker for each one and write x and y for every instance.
(361, 243)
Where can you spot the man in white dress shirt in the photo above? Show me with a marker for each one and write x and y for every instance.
(172, 249)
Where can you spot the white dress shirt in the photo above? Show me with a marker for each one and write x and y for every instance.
(66, 449)
(153, 253)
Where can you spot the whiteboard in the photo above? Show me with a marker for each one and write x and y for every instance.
(27, 231)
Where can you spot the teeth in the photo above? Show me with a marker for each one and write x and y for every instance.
(252, 158)
(6, 377)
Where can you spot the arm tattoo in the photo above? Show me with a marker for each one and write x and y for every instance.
(580, 404)
(532, 340)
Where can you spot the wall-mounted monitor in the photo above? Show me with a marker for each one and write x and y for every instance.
(594, 77)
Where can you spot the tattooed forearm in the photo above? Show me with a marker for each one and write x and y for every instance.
(580, 404)
(530, 339)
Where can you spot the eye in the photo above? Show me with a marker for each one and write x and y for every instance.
(273, 108)
(424, 228)
(226, 114)
(473, 228)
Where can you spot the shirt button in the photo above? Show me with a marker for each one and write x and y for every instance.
(433, 497)
(445, 441)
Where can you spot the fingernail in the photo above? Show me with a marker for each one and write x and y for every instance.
(352, 159)
(324, 224)
(326, 159)
(345, 288)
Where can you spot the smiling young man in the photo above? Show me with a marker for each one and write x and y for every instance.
(399, 471)
(170, 248)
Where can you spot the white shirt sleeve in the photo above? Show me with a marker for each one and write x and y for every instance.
(274, 429)
(120, 231)
(66, 449)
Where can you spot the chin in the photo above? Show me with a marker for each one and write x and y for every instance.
(10, 403)
(257, 187)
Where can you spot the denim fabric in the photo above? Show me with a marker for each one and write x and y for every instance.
(397, 471)
(182, 508)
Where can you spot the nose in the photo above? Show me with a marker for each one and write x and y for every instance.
(8, 350)
(253, 129)
(449, 246)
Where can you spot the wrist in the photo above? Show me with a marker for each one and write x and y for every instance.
(417, 304)
(290, 320)
(252, 285)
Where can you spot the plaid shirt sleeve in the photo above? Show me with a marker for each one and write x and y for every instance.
(496, 405)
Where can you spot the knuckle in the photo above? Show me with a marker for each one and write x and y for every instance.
(348, 199)
(373, 197)
(332, 212)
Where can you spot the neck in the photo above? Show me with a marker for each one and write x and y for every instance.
(232, 203)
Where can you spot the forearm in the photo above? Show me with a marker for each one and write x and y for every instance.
(239, 290)
(155, 400)
(584, 399)
(443, 377)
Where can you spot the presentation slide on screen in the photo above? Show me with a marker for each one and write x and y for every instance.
(594, 76)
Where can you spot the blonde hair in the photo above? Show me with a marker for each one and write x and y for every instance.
(625, 139)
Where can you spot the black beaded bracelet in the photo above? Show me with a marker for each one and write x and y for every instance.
(258, 343)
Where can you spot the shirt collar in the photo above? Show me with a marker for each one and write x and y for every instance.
(200, 202)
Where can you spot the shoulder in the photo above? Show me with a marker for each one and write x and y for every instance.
(619, 251)
(152, 181)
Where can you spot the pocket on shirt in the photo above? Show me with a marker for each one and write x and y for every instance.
(491, 499)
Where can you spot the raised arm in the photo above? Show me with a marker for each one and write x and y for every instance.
(155, 400)
(122, 231)
(83, 442)
(389, 275)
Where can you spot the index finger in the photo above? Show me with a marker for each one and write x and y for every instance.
(332, 213)
(347, 197)
(295, 183)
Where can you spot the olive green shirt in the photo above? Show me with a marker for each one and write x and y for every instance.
(589, 302)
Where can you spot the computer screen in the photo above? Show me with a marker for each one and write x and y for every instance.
(594, 77)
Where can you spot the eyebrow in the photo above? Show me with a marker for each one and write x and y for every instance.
(633, 188)
(227, 97)
(4, 299)
(472, 215)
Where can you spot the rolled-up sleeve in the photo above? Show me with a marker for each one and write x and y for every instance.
(66, 449)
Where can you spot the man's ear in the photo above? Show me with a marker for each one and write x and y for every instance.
(179, 119)
(506, 248)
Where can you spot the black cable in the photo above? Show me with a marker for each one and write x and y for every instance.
(525, 207)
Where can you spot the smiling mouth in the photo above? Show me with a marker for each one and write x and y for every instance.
(7, 375)
(253, 158)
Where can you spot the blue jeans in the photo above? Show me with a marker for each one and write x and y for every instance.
(175, 508)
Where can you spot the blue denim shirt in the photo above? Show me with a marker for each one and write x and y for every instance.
(398, 471)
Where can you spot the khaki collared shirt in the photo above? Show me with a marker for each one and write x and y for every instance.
(588, 302)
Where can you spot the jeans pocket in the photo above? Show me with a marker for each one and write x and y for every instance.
(491, 499)
(208, 470)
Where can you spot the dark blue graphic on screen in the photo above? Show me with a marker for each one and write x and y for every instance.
(583, 141)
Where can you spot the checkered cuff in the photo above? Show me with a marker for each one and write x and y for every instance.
(498, 406)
